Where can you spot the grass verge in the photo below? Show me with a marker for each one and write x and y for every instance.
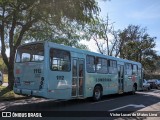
(5, 78)
(6, 94)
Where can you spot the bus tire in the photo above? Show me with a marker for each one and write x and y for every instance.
(97, 93)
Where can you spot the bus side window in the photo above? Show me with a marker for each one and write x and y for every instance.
(112, 66)
(26, 57)
(135, 69)
(59, 60)
(101, 65)
(90, 61)
(128, 69)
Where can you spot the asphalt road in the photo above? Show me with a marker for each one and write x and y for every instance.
(86, 109)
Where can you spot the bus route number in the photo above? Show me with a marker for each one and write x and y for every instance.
(60, 77)
(36, 71)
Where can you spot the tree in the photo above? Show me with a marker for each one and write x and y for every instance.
(18, 17)
(68, 33)
(101, 31)
(3, 67)
(136, 44)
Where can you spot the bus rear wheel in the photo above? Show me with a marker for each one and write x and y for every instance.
(97, 93)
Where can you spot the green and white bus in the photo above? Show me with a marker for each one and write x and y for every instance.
(55, 71)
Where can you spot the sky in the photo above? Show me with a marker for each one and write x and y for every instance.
(145, 13)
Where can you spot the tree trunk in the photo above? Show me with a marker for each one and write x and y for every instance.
(10, 77)
(11, 68)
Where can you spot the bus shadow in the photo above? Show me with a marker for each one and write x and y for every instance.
(112, 96)
(38, 105)
(61, 105)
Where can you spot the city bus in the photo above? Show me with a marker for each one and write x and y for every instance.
(54, 71)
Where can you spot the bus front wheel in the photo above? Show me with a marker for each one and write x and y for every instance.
(97, 93)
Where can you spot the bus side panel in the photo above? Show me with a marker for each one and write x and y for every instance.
(133, 79)
(89, 84)
(58, 82)
(59, 85)
(128, 83)
(139, 78)
(112, 87)
(109, 83)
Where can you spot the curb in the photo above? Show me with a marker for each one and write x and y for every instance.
(13, 99)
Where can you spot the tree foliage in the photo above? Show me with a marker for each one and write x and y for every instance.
(136, 44)
(68, 33)
(19, 17)
(132, 43)
(101, 32)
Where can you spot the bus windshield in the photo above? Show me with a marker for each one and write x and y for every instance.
(30, 53)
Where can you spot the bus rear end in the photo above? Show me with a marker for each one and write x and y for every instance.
(29, 70)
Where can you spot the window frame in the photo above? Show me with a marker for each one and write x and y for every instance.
(51, 61)
(136, 69)
(89, 61)
(114, 66)
(19, 53)
(101, 65)
(127, 68)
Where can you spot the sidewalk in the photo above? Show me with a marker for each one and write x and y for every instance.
(5, 84)
(6, 104)
(155, 108)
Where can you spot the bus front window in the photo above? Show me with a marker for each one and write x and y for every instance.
(30, 53)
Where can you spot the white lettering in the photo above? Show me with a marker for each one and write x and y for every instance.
(115, 114)
(153, 115)
(142, 115)
(34, 115)
(122, 114)
(19, 114)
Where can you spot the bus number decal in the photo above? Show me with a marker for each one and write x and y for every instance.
(37, 71)
(60, 77)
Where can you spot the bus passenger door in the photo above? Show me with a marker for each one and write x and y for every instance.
(77, 77)
(120, 78)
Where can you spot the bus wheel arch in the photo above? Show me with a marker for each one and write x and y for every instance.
(97, 92)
